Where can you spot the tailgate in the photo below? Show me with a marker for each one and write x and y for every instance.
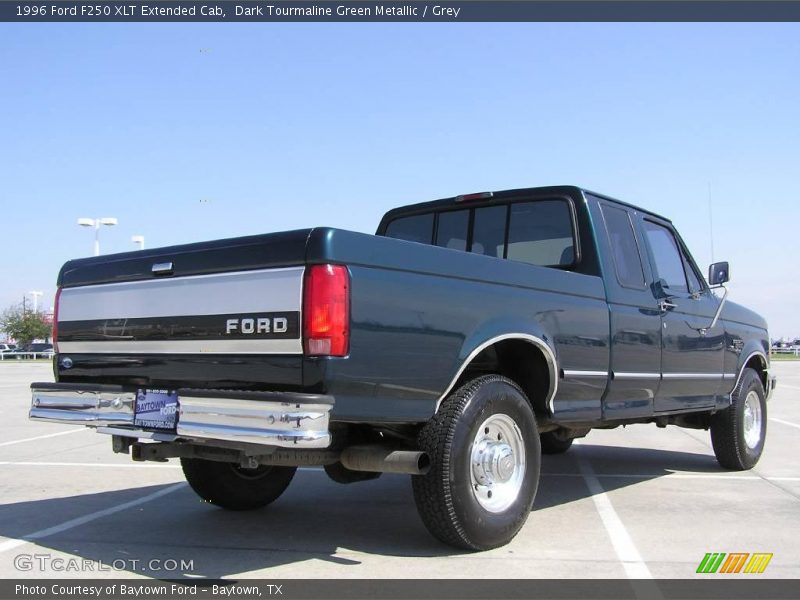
(244, 312)
(214, 314)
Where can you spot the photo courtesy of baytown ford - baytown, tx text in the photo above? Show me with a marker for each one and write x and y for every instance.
(465, 11)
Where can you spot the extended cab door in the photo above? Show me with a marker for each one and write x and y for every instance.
(634, 316)
(691, 357)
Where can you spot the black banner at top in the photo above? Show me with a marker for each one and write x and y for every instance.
(412, 11)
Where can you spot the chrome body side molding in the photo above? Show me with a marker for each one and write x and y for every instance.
(577, 374)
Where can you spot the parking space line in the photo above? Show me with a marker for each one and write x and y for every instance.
(12, 543)
(789, 387)
(41, 437)
(673, 475)
(655, 476)
(627, 553)
(88, 464)
(782, 422)
(670, 475)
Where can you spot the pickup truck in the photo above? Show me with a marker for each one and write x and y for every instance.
(465, 339)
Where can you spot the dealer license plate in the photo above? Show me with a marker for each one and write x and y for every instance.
(156, 409)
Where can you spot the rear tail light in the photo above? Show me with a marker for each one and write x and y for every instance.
(55, 320)
(326, 310)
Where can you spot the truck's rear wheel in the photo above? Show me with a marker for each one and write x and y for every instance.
(230, 486)
(739, 431)
(555, 442)
(485, 460)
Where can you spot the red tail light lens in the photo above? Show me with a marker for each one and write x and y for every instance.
(326, 310)
(55, 320)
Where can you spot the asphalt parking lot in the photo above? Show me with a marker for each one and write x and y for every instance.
(640, 502)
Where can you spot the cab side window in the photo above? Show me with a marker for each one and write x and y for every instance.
(624, 249)
(695, 285)
(418, 228)
(541, 233)
(667, 257)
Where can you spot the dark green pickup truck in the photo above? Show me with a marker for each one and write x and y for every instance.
(467, 337)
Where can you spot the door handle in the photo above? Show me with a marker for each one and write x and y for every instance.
(666, 305)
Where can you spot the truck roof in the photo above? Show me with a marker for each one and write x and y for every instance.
(503, 195)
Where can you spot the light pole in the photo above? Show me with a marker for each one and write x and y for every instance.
(35, 301)
(85, 222)
(139, 241)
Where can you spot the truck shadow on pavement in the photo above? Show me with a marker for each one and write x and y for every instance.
(315, 520)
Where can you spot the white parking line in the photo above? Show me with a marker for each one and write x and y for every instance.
(632, 562)
(675, 476)
(88, 464)
(782, 422)
(789, 387)
(41, 437)
(12, 543)
(150, 465)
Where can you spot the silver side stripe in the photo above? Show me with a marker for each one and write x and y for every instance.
(184, 347)
(568, 373)
(692, 376)
(621, 375)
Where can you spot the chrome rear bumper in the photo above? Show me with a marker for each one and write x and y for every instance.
(266, 418)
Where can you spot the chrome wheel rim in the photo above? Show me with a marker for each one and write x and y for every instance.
(752, 420)
(497, 463)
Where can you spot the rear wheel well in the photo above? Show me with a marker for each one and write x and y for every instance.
(519, 360)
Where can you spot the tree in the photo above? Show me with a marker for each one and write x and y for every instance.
(24, 326)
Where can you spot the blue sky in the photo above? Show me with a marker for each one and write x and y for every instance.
(188, 132)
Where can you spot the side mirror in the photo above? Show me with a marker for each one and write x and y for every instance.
(718, 273)
(660, 289)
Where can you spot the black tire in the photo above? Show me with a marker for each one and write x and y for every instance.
(229, 486)
(445, 497)
(729, 427)
(555, 442)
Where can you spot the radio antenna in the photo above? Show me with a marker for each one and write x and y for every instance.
(710, 222)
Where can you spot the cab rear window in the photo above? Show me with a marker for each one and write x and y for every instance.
(540, 232)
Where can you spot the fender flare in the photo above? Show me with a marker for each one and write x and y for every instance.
(491, 334)
(751, 350)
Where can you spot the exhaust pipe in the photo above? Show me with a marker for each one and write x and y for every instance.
(384, 460)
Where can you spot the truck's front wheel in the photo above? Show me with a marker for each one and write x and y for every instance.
(485, 460)
(739, 431)
(230, 486)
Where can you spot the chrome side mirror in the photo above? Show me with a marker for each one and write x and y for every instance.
(718, 273)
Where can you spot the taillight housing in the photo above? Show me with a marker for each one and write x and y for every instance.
(55, 319)
(326, 310)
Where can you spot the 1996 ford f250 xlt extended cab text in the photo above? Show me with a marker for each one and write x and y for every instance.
(466, 338)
